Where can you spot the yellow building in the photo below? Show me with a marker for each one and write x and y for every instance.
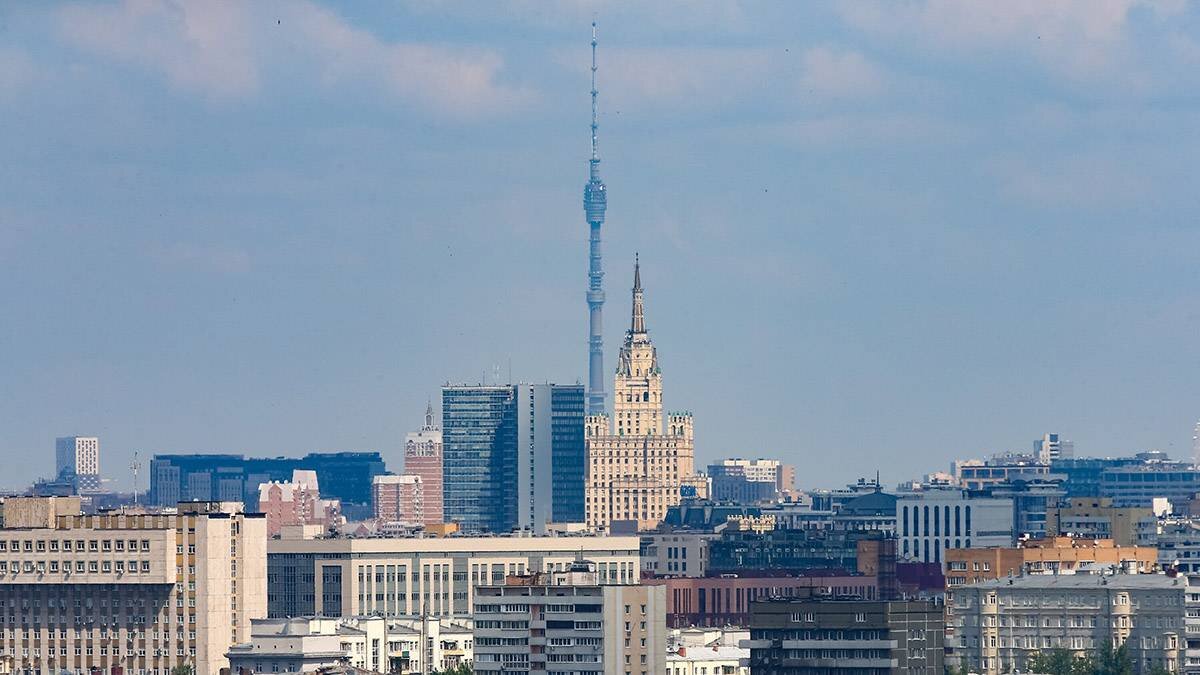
(1097, 517)
(1050, 555)
(640, 461)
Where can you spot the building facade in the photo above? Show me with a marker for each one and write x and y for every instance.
(935, 520)
(1097, 518)
(423, 458)
(1050, 448)
(514, 456)
(414, 575)
(1139, 485)
(641, 462)
(134, 591)
(569, 622)
(749, 481)
(726, 600)
(77, 459)
(398, 502)
(825, 636)
(345, 476)
(297, 502)
(1001, 625)
(1053, 555)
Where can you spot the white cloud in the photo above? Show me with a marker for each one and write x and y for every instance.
(227, 51)
(838, 74)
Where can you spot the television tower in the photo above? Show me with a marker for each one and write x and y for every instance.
(595, 201)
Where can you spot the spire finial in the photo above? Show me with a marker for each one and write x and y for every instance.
(639, 313)
(595, 125)
(428, 413)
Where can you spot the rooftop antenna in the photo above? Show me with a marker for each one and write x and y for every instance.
(135, 466)
(595, 126)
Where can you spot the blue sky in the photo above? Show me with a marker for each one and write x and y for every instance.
(874, 236)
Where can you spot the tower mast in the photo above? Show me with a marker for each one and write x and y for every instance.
(595, 202)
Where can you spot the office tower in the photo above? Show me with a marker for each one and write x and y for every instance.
(398, 501)
(513, 456)
(639, 463)
(423, 457)
(1003, 624)
(345, 476)
(830, 635)
(569, 622)
(296, 502)
(77, 458)
(747, 481)
(132, 592)
(1049, 448)
(415, 575)
(595, 202)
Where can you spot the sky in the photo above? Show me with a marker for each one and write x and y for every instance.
(873, 236)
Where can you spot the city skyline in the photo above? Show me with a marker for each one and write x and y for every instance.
(906, 252)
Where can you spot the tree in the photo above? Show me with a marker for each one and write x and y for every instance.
(1060, 661)
(184, 669)
(460, 669)
(1114, 660)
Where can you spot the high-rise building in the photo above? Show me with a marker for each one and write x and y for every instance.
(77, 458)
(513, 456)
(936, 520)
(595, 202)
(641, 461)
(132, 592)
(423, 457)
(399, 501)
(407, 576)
(747, 481)
(569, 622)
(1049, 448)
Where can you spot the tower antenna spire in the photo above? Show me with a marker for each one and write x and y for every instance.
(595, 125)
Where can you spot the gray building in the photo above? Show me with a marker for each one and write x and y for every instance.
(825, 636)
(1000, 625)
(513, 456)
(1139, 485)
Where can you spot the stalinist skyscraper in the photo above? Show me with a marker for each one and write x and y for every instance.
(639, 462)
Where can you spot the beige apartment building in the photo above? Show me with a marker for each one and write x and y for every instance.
(568, 622)
(639, 461)
(136, 591)
(407, 576)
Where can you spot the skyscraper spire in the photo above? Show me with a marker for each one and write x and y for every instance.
(639, 311)
(428, 415)
(595, 202)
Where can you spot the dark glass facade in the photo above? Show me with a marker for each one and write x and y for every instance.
(569, 453)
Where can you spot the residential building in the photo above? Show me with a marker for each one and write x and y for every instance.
(1032, 498)
(569, 621)
(344, 476)
(1001, 625)
(307, 644)
(142, 592)
(428, 644)
(827, 636)
(1050, 447)
(725, 600)
(749, 481)
(676, 554)
(423, 458)
(934, 520)
(407, 576)
(398, 502)
(1053, 555)
(642, 461)
(297, 502)
(721, 660)
(1097, 518)
(514, 456)
(1177, 541)
(1140, 485)
(77, 459)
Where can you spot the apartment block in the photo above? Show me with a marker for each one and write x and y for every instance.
(826, 636)
(1001, 625)
(1098, 518)
(138, 592)
(398, 501)
(569, 622)
(407, 576)
(748, 481)
(77, 459)
(1053, 555)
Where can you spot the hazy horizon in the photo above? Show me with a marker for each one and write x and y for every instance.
(891, 234)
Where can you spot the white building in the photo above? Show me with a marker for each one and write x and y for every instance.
(1000, 625)
(930, 521)
(307, 644)
(428, 644)
(1050, 447)
(79, 456)
(709, 661)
